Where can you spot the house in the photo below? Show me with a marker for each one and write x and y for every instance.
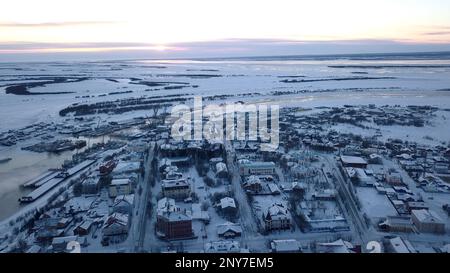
(427, 221)
(221, 170)
(256, 168)
(177, 189)
(223, 247)
(173, 225)
(90, 185)
(339, 246)
(116, 224)
(253, 184)
(123, 204)
(229, 230)
(173, 174)
(285, 246)
(227, 205)
(277, 216)
(84, 228)
(107, 167)
(120, 187)
(353, 161)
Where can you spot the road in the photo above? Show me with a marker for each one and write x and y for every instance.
(247, 218)
(347, 198)
(139, 213)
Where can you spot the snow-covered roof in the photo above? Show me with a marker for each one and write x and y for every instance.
(288, 245)
(260, 164)
(176, 216)
(277, 211)
(123, 167)
(128, 198)
(121, 181)
(166, 205)
(116, 219)
(174, 183)
(426, 216)
(222, 247)
(221, 167)
(227, 202)
(352, 159)
(64, 240)
(227, 227)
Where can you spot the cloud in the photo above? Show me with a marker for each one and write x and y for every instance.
(54, 24)
(437, 33)
(207, 49)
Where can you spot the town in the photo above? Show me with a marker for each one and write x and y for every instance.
(323, 190)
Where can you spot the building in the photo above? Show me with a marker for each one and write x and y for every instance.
(397, 224)
(339, 246)
(223, 247)
(221, 170)
(229, 230)
(285, 246)
(427, 221)
(227, 205)
(59, 244)
(277, 216)
(199, 214)
(353, 161)
(177, 189)
(410, 206)
(107, 167)
(34, 249)
(253, 184)
(120, 187)
(90, 185)
(84, 228)
(393, 178)
(123, 204)
(256, 168)
(116, 224)
(173, 225)
(400, 245)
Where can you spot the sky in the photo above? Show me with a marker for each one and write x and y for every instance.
(219, 28)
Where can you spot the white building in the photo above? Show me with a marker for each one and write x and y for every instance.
(120, 187)
(427, 221)
(285, 246)
(123, 203)
(277, 216)
(116, 224)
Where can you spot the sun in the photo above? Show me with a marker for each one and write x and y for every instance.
(160, 47)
